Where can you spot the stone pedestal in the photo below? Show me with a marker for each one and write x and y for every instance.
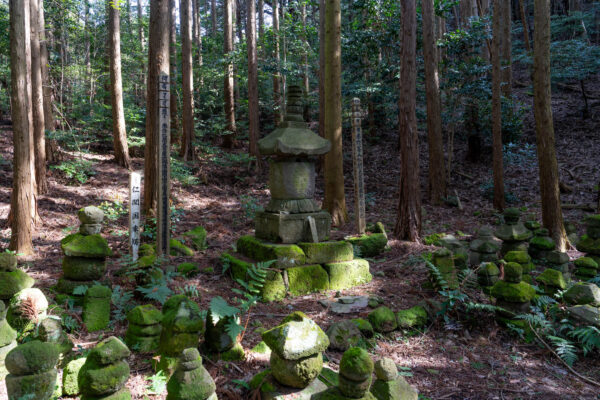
(292, 228)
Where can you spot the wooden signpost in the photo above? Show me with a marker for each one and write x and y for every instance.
(357, 161)
(135, 184)
(163, 228)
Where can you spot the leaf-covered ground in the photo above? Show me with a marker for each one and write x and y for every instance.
(476, 360)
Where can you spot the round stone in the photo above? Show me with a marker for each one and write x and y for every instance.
(8, 261)
(513, 272)
(13, 282)
(90, 215)
(32, 357)
(109, 351)
(296, 373)
(354, 389)
(35, 386)
(386, 370)
(343, 335)
(90, 229)
(96, 380)
(29, 305)
(356, 364)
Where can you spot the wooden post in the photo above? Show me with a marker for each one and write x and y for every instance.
(163, 228)
(135, 184)
(357, 161)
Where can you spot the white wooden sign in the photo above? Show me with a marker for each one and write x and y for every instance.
(135, 185)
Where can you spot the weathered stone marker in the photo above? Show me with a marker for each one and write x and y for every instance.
(357, 161)
(135, 184)
(164, 164)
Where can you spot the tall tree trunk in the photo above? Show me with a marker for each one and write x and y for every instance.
(37, 101)
(277, 99)
(261, 19)
(229, 139)
(116, 90)
(23, 196)
(195, 27)
(544, 127)
(140, 22)
(497, 109)
(437, 176)
(408, 222)
(199, 43)
(173, 57)
(158, 63)
(49, 123)
(525, 28)
(88, 64)
(185, 18)
(506, 48)
(253, 110)
(322, 11)
(213, 15)
(335, 199)
(305, 80)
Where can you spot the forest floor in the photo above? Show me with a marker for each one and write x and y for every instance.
(475, 360)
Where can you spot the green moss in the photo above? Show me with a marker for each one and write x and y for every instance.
(236, 353)
(356, 364)
(287, 255)
(32, 357)
(541, 242)
(364, 327)
(141, 344)
(442, 259)
(109, 351)
(145, 314)
(147, 261)
(40, 386)
(96, 308)
(433, 239)
(261, 348)
(307, 279)
(144, 330)
(274, 287)
(83, 268)
(327, 252)
(97, 380)
(588, 245)
(553, 278)
(8, 261)
(93, 246)
(396, 389)
(190, 381)
(7, 333)
(412, 318)
(513, 272)
(297, 316)
(586, 273)
(513, 292)
(67, 286)
(179, 249)
(345, 275)
(198, 237)
(296, 373)
(369, 245)
(70, 374)
(182, 325)
(519, 257)
(262, 380)
(187, 269)
(586, 262)
(583, 293)
(334, 393)
(237, 267)
(13, 282)
(383, 319)
(147, 249)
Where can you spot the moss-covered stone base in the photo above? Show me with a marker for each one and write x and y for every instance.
(344, 275)
(287, 255)
(270, 389)
(327, 252)
(39, 386)
(412, 318)
(369, 245)
(307, 279)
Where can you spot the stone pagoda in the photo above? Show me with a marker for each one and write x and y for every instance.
(293, 230)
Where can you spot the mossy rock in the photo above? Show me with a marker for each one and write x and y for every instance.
(31, 357)
(296, 373)
(553, 278)
(92, 246)
(141, 344)
(519, 257)
(307, 279)
(414, 317)
(8, 261)
(327, 252)
(90, 215)
(398, 389)
(70, 375)
(237, 267)
(334, 393)
(216, 338)
(583, 293)
(273, 288)
(179, 249)
(586, 262)
(521, 292)
(40, 386)
(146, 249)
(383, 319)
(7, 333)
(343, 335)
(488, 274)
(287, 255)
(96, 308)
(121, 394)
(236, 353)
(542, 243)
(182, 325)
(364, 327)
(513, 272)
(83, 268)
(13, 282)
(144, 315)
(188, 383)
(369, 245)
(147, 261)
(100, 380)
(108, 351)
(198, 237)
(348, 274)
(261, 348)
(589, 245)
(144, 330)
(356, 364)
(187, 269)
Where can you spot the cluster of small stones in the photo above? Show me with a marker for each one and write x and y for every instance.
(8, 338)
(586, 268)
(513, 294)
(191, 381)
(218, 342)
(85, 253)
(584, 300)
(12, 279)
(32, 371)
(296, 350)
(143, 331)
(384, 320)
(50, 331)
(105, 372)
(487, 275)
(590, 242)
(514, 234)
(484, 248)
(522, 258)
(389, 385)
(541, 244)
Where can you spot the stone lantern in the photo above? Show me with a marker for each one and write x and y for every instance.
(292, 215)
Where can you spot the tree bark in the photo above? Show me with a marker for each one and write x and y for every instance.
(213, 15)
(277, 102)
(335, 200)
(173, 57)
(140, 24)
(49, 122)
(506, 47)
(261, 19)
(116, 90)
(185, 18)
(158, 62)
(253, 110)
(198, 41)
(408, 222)
(305, 80)
(37, 101)
(229, 139)
(525, 28)
(23, 197)
(544, 127)
(437, 176)
(322, 10)
(497, 167)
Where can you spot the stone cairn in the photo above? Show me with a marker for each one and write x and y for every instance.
(459, 252)
(182, 325)
(8, 338)
(105, 372)
(50, 331)
(217, 341)
(26, 309)
(12, 279)
(96, 308)
(487, 275)
(296, 363)
(586, 268)
(85, 253)
(524, 260)
(191, 381)
(389, 385)
(541, 244)
(552, 281)
(443, 259)
(355, 377)
(513, 233)
(559, 261)
(484, 248)
(512, 293)
(32, 371)
(143, 331)
(590, 242)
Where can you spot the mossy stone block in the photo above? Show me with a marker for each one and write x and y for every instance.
(237, 266)
(96, 308)
(586, 262)
(586, 273)
(383, 320)
(198, 237)
(92, 246)
(7, 333)
(121, 394)
(270, 389)
(8, 261)
(369, 245)
(31, 357)
(334, 393)
(412, 318)
(513, 272)
(13, 282)
(296, 373)
(187, 269)
(146, 314)
(70, 375)
(144, 330)
(307, 279)
(100, 380)
(344, 275)
(141, 344)
(327, 252)
(513, 292)
(182, 325)
(343, 335)
(588, 244)
(553, 278)
(40, 386)
(108, 351)
(146, 249)
(542, 243)
(236, 353)
(90, 215)
(364, 327)
(287, 255)
(583, 293)
(398, 389)
(179, 249)
(274, 287)
(83, 268)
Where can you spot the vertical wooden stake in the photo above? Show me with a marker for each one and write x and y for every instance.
(163, 228)
(357, 161)
(135, 184)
